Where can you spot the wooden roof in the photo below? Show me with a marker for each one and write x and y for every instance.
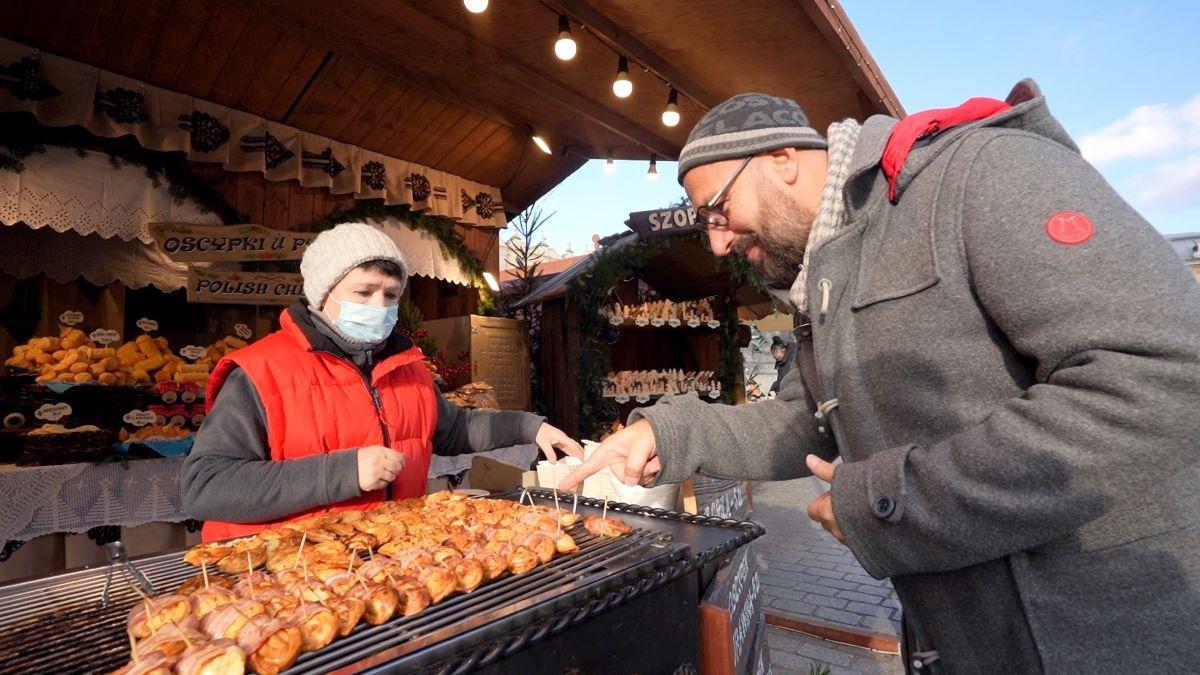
(428, 82)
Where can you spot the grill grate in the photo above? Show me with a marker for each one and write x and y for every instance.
(57, 625)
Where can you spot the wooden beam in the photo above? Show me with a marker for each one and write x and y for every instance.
(837, 28)
(624, 43)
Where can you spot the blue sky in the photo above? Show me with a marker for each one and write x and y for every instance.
(1122, 77)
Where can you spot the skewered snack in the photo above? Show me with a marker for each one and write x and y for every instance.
(203, 581)
(153, 613)
(216, 657)
(381, 601)
(207, 554)
(318, 624)
(272, 644)
(606, 526)
(170, 640)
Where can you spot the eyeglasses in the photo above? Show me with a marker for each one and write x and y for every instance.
(712, 214)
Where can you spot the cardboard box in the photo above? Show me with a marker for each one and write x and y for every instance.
(498, 351)
(496, 476)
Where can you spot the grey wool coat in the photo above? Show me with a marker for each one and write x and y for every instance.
(1019, 418)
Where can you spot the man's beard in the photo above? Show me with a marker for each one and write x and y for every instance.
(783, 227)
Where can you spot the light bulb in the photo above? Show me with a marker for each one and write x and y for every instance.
(565, 47)
(476, 6)
(622, 86)
(491, 281)
(670, 116)
(610, 167)
(652, 172)
(542, 144)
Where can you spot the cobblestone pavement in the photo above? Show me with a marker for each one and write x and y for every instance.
(795, 653)
(807, 573)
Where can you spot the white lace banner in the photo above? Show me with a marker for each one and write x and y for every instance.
(77, 497)
(62, 92)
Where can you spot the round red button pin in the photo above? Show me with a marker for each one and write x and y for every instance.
(1069, 227)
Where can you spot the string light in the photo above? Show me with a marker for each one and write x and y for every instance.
(610, 167)
(622, 86)
(541, 143)
(652, 172)
(476, 6)
(565, 47)
(670, 116)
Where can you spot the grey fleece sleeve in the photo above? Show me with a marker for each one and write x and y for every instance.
(765, 440)
(462, 430)
(1111, 324)
(230, 476)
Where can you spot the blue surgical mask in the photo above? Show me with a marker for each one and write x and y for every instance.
(368, 323)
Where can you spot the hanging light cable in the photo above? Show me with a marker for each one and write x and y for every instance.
(652, 172)
(565, 47)
(476, 6)
(670, 116)
(622, 86)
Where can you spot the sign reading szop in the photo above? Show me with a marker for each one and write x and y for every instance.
(243, 288)
(664, 222)
(213, 243)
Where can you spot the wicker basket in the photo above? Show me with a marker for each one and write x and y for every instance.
(66, 448)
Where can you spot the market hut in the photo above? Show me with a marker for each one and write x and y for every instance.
(433, 122)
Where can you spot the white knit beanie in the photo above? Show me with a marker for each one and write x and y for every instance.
(335, 252)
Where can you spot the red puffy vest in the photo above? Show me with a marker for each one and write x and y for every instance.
(318, 402)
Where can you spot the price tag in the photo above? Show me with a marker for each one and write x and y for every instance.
(714, 393)
(192, 352)
(616, 320)
(621, 398)
(197, 419)
(160, 420)
(694, 323)
(178, 421)
(140, 418)
(53, 412)
(674, 323)
(104, 337)
(657, 323)
(147, 325)
(714, 324)
(243, 331)
(188, 397)
(70, 318)
(643, 398)
(169, 397)
(641, 321)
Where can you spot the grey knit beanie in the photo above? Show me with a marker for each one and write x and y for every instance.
(335, 252)
(746, 125)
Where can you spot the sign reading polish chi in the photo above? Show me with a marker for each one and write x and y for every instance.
(660, 223)
(185, 242)
(248, 288)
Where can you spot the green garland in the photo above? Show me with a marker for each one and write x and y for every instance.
(587, 293)
(21, 136)
(442, 229)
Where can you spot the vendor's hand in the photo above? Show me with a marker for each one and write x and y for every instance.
(631, 452)
(377, 467)
(549, 438)
(821, 508)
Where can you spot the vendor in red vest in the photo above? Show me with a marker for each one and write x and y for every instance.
(334, 410)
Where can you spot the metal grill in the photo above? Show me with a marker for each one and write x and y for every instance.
(57, 625)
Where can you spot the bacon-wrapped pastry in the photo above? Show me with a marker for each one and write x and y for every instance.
(606, 527)
(382, 601)
(439, 581)
(207, 554)
(247, 585)
(216, 657)
(565, 544)
(349, 611)
(272, 644)
(227, 621)
(150, 615)
(414, 597)
(170, 640)
(521, 560)
(245, 557)
(318, 624)
(197, 581)
(468, 574)
(205, 600)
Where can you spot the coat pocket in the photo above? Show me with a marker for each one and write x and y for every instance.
(897, 258)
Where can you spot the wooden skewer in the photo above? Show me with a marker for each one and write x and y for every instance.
(300, 551)
(204, 571)
(250, 569)
(521, 501)
(557, 512)
(353, 553)
(183, 635)
(604, 516)
(371, 555)
(132, 645)
(575, 507)
(304, 566)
